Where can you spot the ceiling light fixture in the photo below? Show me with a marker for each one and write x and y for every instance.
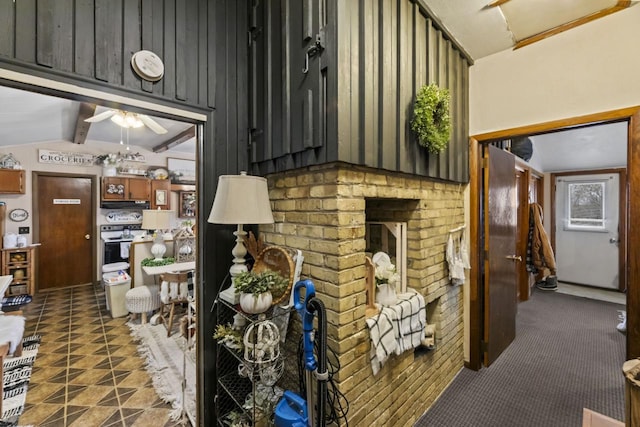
(127, 120)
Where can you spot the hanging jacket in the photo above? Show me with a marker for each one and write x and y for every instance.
(542, 256)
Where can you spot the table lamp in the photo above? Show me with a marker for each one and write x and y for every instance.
(158, 221)
(240, 199)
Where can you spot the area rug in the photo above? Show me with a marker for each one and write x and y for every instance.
(17, 373)
(168, 362)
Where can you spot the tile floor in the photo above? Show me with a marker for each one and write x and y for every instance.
(87, 372)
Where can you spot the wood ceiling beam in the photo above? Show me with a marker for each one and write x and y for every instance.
(176, 140)
(497, 3)
(82, 128)
(573, 24)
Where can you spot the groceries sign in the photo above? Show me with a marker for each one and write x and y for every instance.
(65, 158)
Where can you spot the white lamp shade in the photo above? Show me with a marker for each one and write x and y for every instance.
(156, 219)
(241, 199)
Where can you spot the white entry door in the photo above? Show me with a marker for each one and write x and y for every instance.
(587, 216)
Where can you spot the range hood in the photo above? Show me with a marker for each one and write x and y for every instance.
(124, 204)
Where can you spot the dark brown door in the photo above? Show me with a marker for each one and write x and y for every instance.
(522, 197)
(65, 224)
(500, 280)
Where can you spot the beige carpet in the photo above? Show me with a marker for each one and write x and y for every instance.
(171, 366)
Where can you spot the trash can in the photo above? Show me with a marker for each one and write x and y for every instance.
(114, 267)
(116, 285)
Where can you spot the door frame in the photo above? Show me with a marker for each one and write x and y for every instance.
(622, 219)
(476, 312)
(36, 213)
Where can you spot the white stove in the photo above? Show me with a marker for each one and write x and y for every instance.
(116, 239)
(120, 232)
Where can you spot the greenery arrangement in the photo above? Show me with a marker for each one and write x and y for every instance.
(258, 283)
(151, 262)
(106, 159)
(229, 336)
(431, 120)
(236, 419)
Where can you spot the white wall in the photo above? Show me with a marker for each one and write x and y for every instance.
(589, 69)
(27, 155)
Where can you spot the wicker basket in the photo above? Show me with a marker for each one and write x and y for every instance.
(17, 289)
(276, 259)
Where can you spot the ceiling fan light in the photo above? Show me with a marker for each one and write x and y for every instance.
(127, 120)
(118, 119)
(133, 121)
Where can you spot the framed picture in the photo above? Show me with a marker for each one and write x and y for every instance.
(161, 197)
(187, 204)
(181, 170)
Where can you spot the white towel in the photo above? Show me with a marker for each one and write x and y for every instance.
(383, 339)
(410, 319)
(124, 249)
(184, 290)
(164, 292)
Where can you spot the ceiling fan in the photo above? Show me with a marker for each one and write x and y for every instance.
(127, 120)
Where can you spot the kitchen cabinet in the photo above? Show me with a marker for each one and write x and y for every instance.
(20, 263)
(126, 188)
(12, 181)
(160, 194)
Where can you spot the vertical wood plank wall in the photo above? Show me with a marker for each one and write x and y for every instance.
(203, 44)
(356, 100)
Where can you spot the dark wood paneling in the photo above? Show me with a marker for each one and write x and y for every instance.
(132, 39)
(25, 43)
(181, 63)
(84, 40)
(211, 55)
(358, 105)
(147, 16)
(202, 50)
(109, 28)
(368, 141)
(191, 52)
(7, 28)
(55, 34)
(170, 49)
(158, 39)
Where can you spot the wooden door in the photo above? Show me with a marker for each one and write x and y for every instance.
(500, 279)
(64, 224)
(522, 197)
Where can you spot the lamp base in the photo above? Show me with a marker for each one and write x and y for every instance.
(230, 295)
(158, 250)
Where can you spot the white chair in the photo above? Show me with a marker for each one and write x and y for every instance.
(173, 291)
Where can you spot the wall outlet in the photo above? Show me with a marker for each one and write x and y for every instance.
(23, 230)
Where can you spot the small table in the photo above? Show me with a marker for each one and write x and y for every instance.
(169, 268)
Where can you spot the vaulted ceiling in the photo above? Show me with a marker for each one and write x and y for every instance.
(485, 27)
(29, 117)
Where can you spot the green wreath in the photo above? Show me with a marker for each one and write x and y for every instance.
(431, 120)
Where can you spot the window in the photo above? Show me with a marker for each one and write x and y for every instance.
(586, 205)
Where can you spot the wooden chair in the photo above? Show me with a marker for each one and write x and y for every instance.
(176, 293)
